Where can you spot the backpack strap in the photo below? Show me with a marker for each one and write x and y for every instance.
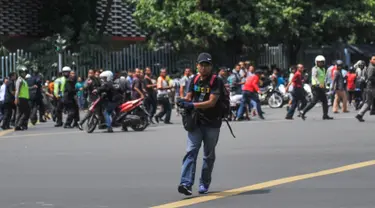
(196, 78)
(213, 77)
(230, 128)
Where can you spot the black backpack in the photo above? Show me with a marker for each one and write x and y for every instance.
(224, 100)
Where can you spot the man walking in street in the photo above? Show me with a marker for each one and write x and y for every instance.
(298, 92)
(203, 96)
(318, 76)
(370, 90)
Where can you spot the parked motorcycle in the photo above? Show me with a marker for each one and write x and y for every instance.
(271, 96)
(133, 114)
(129, 114)
(235, 102)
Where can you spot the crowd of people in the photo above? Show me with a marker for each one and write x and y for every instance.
(23, 96)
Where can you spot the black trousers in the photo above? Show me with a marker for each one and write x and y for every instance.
(73, 113)
(7, 116)
(167, 109)
(59, 111)
(23, 113)
(151, 104)
(319, 95)
(298, 97)
(36, 105)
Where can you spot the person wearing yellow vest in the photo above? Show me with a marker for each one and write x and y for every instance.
(58, 92)
(22, 100)
(318, 87)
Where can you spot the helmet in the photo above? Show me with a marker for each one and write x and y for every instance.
(28, 76)
(22, 69)
(53, 78)
(339, 63)
(319, 58)
(106, 74)
(66, 69)
(352, 69)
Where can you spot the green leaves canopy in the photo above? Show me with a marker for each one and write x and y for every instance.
(237, 23)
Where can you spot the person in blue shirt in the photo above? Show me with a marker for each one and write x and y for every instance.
(79, 87)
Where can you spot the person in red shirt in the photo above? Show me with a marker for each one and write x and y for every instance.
(351, 78)
(250, 92)
(298, 92)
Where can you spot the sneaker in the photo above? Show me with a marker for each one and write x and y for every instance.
(203, 189)
(184, 189)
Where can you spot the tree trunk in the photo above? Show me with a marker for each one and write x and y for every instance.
(293, 48)
(106, 14)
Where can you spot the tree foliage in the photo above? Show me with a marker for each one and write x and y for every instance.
(230, 25)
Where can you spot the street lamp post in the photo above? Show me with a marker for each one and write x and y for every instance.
(60, 47)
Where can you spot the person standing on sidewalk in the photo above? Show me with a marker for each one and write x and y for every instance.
(370, 90)
(318, 76)
(202, 97)
(22, 101)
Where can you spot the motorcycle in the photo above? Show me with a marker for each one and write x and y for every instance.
(271, 96)
(131, 113)
(134, 114)
(235, 102)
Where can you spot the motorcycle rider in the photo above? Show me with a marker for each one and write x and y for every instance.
(370, 90)
(318, 76)
(59, 89)
(112, 97)
(22, 100)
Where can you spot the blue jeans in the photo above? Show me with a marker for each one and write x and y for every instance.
(210, 137)
(81, 102)
(248, 99)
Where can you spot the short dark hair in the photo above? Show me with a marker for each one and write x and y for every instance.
(12, 74)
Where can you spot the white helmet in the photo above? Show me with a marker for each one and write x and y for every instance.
(107, 74)
(66, 69)
(319, 58)
(28, 76)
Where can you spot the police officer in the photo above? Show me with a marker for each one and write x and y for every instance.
(59, 88)
(203, 95)
(370, 90)
(22, 100)
(318, 75)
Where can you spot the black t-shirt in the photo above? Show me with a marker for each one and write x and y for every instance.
(202, 90)
(137, 83)
(150, 90)
(9, 97)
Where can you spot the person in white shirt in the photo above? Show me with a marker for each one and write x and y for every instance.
(2, 98)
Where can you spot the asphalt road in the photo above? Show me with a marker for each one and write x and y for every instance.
(53, 167)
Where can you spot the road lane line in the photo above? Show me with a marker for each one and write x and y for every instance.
(41, 134)
(5, 132)
(267, 184)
